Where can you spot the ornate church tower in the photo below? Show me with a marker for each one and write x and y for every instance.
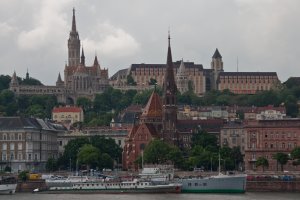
(217, 67)
(169, 110)
(73, 44)
(182, 79)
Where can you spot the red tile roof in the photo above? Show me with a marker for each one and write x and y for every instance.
(66, 109)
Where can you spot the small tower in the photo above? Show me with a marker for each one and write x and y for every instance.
(182, 79)
(217, 67)
(27, 74)
(59, 82)
(169, 110)
(14, 83)
(73, 44)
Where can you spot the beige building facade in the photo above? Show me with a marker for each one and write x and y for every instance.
(27, 143)
(68, 114)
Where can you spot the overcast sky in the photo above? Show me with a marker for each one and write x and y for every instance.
(263, 34)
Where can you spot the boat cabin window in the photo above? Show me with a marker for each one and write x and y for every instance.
(204, 184)
(196, 184)
(189, 184)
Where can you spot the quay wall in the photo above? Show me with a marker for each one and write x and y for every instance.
(273, 186)
(29, 186)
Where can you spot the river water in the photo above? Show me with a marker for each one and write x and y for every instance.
(246, 196)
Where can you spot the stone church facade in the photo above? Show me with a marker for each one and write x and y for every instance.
(80, 80)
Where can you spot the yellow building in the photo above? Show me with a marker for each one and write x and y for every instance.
(68, 114)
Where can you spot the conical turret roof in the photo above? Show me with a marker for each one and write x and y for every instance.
(182, 69)
(217, 54)
(153, 108)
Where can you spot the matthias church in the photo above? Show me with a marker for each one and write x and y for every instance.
(80, 80)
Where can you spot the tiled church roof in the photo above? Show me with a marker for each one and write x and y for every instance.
(153, 108)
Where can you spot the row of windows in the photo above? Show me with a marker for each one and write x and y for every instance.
(197, 184)
(281, 145)
(11, 136)
(282, 135)
(247, 81)
(12, 146)
(235, 86)
(63, 116)
(11, 156)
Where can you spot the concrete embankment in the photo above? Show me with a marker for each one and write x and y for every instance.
(29, 186)
(273, 186)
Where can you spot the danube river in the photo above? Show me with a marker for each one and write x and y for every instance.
(246, 196)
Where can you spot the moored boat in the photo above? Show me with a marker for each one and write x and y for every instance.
(8, 185)
(134, 186)
(214, 184)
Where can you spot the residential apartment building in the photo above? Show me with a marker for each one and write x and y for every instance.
(27, 143)
(265, 138)
(232, 135)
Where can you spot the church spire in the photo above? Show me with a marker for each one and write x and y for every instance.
(169, 58)
(74, 22)
(169, 110)
(73, 44)
(82, 57)
(96, 63)
(169, 80)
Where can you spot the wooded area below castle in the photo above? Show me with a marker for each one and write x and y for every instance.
(100, 111)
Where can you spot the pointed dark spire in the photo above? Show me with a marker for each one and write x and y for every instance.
(217, 54)
(169, 58)
(96, 61)
(169, 80)
(82, 57)
(74, 21)
(59, 78)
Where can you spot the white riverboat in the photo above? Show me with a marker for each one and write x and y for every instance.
(8, 185)
(134, 186)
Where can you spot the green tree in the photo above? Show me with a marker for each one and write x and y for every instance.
(205, 140)
(295, 154)
(30, 81)
(281, 158)
(156, 152)
(4, 82)
(176, 157)
(142, 97)
(23, 175)
(71, 150)
(84, 102)
(106, 161)
(262, 161)
(89, 155)
(8, 103)
(51, 165)
(107, 145)
(152, 81)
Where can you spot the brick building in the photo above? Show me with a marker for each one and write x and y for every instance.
(264, 138)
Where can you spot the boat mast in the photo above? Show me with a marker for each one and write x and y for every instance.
(219, 164)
